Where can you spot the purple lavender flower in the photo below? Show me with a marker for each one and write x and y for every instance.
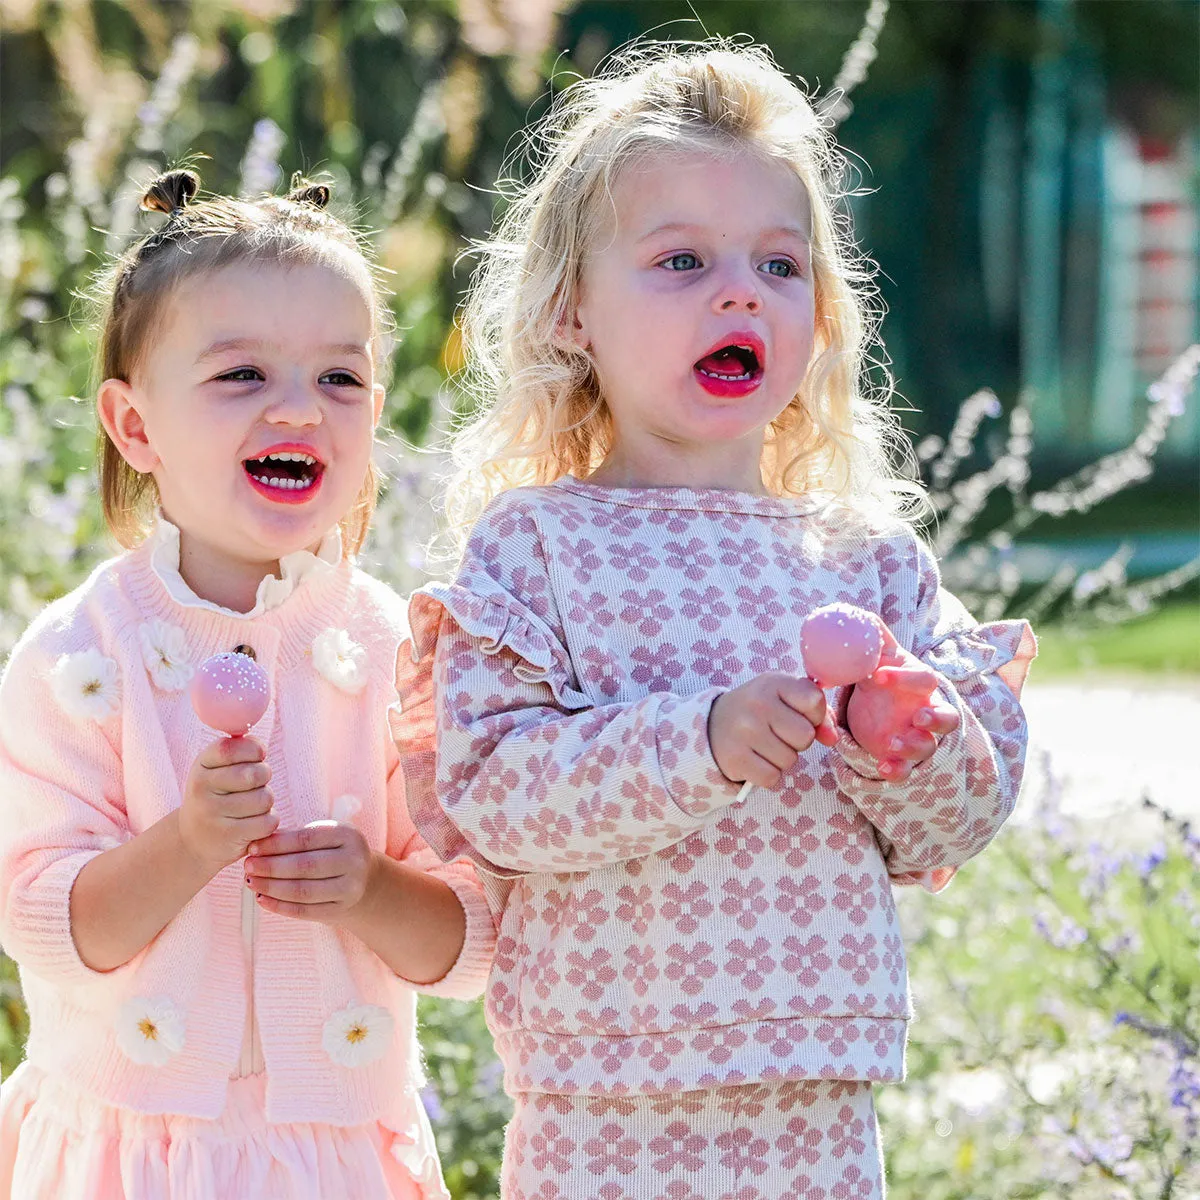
(433, 1106)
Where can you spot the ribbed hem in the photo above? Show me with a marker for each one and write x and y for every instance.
(466, 978)
(690, 773)
(844, 1047)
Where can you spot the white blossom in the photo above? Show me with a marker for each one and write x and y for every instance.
(150, 1030)
(164, 651)
(341, 660)
(86, 685)
(358, 1034)
(346, 808)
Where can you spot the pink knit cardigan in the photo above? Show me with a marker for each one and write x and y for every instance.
(97, 736)
(657, 934)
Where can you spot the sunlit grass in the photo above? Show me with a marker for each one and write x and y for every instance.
(1167, 641)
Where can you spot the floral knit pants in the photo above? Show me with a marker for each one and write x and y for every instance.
(808, 1140)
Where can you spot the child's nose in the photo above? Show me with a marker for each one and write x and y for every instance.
(295, 404)
(738, 290)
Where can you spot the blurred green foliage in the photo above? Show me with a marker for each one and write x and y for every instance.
(1056, 1049)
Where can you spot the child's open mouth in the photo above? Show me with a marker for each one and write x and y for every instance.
(287, 475)
(734, 367)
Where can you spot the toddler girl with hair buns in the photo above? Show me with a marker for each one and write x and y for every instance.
(221, 938)
(675, 459)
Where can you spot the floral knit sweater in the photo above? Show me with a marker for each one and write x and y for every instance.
(97, 736)
(657, 935)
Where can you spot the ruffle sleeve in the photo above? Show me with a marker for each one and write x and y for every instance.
(507, 760)
(1003, 648)
(502, 629)
(496, 621)
(953, 804)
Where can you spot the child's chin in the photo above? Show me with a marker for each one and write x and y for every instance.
(722, 428)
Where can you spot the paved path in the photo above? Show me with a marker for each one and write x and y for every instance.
(1114, 741)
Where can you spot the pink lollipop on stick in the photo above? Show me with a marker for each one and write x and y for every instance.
(230, 693)
(840, 645)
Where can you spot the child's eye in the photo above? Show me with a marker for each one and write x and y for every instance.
(685, 260)
(241, 375)
(341, 379)
(782, 268)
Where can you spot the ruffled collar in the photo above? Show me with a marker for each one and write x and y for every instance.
(294, 570)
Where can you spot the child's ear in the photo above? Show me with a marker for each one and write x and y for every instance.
(573, 330)
(122, 420)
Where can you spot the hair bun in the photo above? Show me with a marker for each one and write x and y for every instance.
(171, 191)
(316, 194)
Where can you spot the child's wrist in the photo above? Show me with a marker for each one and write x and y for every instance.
(359, 914)
(194, 865)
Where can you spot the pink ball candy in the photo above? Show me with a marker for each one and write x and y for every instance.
(841, 644)
(230, 693)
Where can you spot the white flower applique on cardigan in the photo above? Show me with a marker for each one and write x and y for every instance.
(358, 1034)
(150, 1030)
(345, 809)
(340, 659)
(164, 651)
(86, 685)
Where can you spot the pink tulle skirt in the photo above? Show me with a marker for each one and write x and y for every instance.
(58, 1143)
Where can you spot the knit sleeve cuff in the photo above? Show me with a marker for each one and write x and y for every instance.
(466, 978)
(689, 772)
(38, 925)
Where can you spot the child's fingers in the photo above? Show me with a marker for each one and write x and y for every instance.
(238, 777)
(803, 696)
(262, 826)
(938, 719)
(296, 841)
(826, 733)
(912, 745)
(791, 728)
(774, 749)
(891, 651)
(300, 912)
(228, 751)
(755, 769)
(301, 891)
(306, 864)
(239, 805)
(914, 679)
(895, 770)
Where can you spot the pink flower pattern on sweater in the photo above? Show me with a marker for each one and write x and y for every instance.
(656, 935)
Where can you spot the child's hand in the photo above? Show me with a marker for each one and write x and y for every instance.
(318, 873)
(756, 731)
(895, 714)
(226, 802)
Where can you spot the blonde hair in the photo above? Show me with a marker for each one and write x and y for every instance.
(200, 237)
(539, 413)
